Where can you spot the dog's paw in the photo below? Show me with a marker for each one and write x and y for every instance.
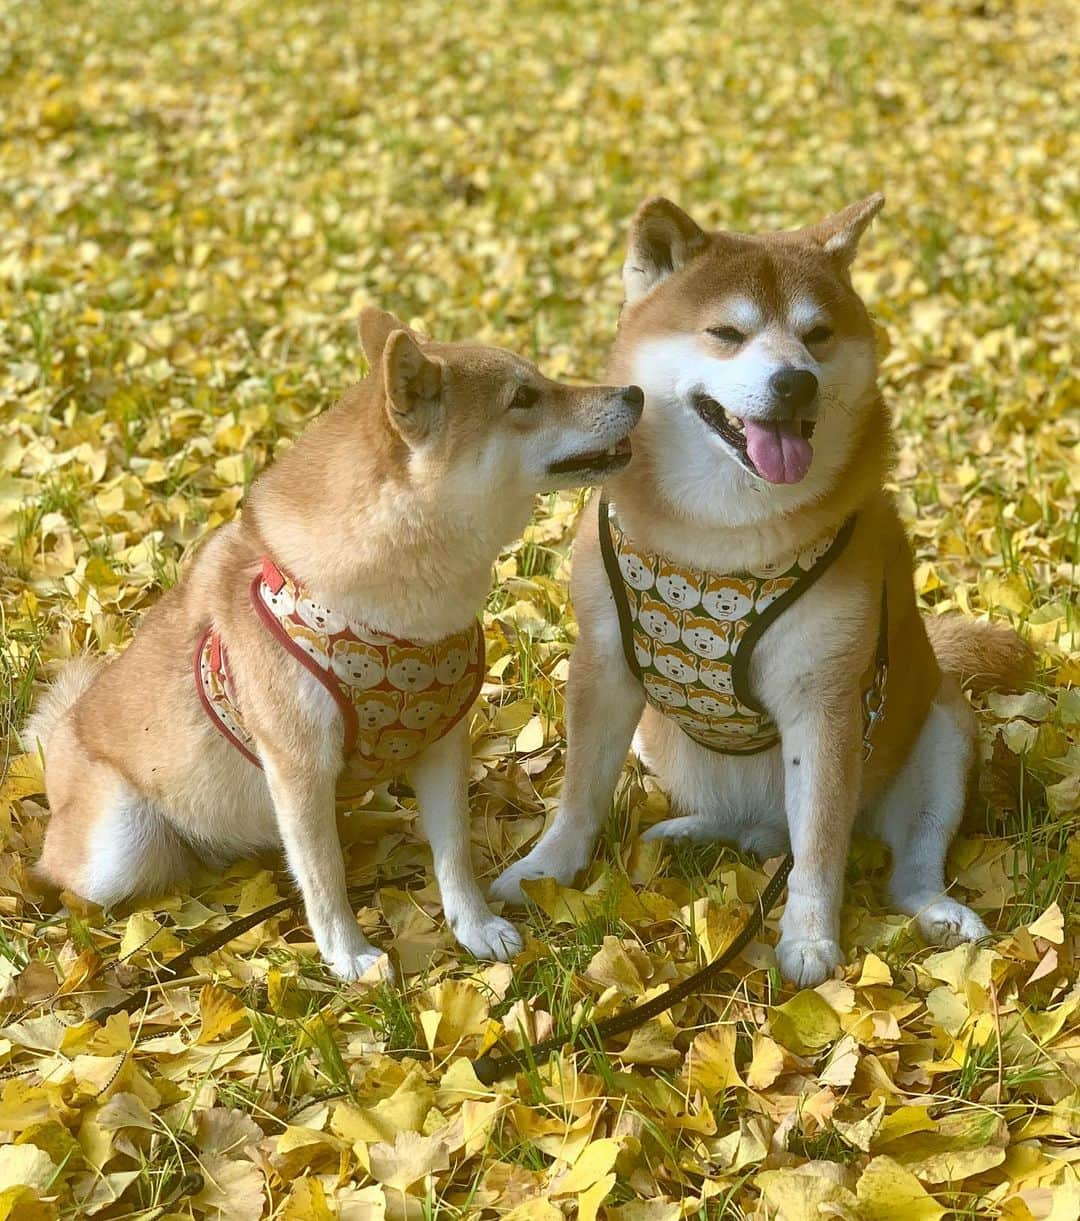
(369, 964)
(690, 828)
(808, 961)
(948, 923)
(541, 862)
(762, 840)
(488, 936)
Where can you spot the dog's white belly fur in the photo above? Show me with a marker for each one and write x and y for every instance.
(736, 799)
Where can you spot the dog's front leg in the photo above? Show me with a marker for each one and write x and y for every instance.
(822, 747)
(304, 805)
(440, 780)
(603, 706)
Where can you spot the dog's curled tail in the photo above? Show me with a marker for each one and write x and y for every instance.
(983, 656)
(69, 684)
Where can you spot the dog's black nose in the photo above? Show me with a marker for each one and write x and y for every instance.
(634, 397)
(794, 388)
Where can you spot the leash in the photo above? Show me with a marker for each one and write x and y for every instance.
(490, 1069)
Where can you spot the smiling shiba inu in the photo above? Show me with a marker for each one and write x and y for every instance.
(333, 627)
(759, 469)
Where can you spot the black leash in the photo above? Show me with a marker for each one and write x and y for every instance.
(490, 1069)
(176, 967)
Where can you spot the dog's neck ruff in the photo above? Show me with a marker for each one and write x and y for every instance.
(688, 635)
(396, 697)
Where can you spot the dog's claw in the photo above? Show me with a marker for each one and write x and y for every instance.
(808, 961)
(948, 923)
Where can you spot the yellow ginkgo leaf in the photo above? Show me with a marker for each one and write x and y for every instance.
(804, 1024)
(592, 1165)
(710, 1062)
(220, 1010)
(888, 1192)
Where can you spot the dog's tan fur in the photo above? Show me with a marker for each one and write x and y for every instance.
(684, 496)
(391, 509)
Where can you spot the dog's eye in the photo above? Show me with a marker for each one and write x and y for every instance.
(818, 335)
(727, 334)
(524, 398)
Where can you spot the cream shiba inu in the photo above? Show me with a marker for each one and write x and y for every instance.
(759, 465)
(332, 629)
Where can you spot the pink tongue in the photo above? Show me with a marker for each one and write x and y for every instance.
(779, 451)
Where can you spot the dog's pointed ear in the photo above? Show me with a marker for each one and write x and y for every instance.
(374, 326)
(662, 239)
(839, 234)
(413, 384)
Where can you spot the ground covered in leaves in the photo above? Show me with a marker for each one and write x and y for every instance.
(194, 201)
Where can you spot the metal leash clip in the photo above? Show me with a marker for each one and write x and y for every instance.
(874, 708)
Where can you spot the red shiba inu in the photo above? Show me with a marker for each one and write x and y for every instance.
(331, 630)
(760, 465)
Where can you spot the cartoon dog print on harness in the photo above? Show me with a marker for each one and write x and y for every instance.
(396, 697)
(677, 586)
(705, 636)
(728, 598)
(688, 635)
(672, 662)
(357, 663)
(635, 569)
(657, 619)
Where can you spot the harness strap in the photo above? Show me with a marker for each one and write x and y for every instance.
(271, 622)
(618, 591)
(740, 669)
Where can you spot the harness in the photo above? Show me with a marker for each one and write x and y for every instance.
(396, 696)
(689, 635)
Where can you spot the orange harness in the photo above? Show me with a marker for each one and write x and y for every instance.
(396, 697)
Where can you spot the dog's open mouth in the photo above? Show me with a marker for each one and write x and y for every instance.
(600, 461)
(776, 450)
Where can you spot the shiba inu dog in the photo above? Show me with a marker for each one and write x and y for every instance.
(333, 626)
(762, 456)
